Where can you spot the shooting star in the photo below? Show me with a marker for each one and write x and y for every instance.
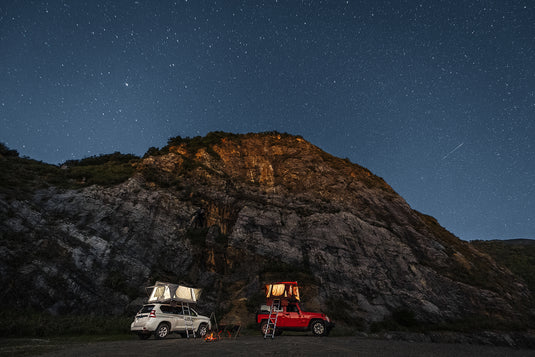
(452, 151)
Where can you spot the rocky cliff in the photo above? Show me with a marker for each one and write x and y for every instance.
(228, 213)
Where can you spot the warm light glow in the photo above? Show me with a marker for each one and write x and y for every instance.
(211, 337)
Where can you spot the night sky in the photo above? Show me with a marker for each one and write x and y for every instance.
(436, 97)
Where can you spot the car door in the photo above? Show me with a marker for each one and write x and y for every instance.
(169, 314)
(283, 318)
(179, 318)
(194, 319)
(293, 317)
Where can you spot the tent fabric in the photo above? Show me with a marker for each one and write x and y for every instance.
(277, 289)
(284, 289)
(185, 293)
(294, 291)
(165, 292)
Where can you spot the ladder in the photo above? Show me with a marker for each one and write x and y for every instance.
(188, 320)
(272, 321)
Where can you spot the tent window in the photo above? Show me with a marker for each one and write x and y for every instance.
(278, 290)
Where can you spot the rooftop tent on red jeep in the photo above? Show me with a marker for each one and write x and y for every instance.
(166, 292)
(287, 289)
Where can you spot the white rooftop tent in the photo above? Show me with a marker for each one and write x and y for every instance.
(166, 292)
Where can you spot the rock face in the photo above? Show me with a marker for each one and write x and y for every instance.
(233, 212)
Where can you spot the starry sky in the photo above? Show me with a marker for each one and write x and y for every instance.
(437, 97)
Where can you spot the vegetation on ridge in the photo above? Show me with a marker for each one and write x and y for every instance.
(20, 175)
(517, 255)
(109, 169)
(207, 142)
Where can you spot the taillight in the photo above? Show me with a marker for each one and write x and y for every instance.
(152, 314)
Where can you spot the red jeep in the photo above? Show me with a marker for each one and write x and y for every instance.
(286, 314)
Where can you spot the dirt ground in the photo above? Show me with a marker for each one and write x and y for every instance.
(280, 346)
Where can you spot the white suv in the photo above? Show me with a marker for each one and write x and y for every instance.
(163, 319)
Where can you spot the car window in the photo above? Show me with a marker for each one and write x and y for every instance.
(166, 309)
(146, 308)
(179, 311)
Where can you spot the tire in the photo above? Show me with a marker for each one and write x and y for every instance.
(143, 336)
(263, 327)
(318, 328)
(202, 330)
(162, 331)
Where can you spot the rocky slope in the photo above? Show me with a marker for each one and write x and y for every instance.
(230, 212)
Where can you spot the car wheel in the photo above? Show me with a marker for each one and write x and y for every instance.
(162, 331)
(318, 328)
(203, 330)
(263, 327)
(143, 336)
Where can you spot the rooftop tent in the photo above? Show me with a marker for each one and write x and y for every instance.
(287, 289)
(186, 294)
(166, 292)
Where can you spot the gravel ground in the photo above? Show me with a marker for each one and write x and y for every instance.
(282, 346)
